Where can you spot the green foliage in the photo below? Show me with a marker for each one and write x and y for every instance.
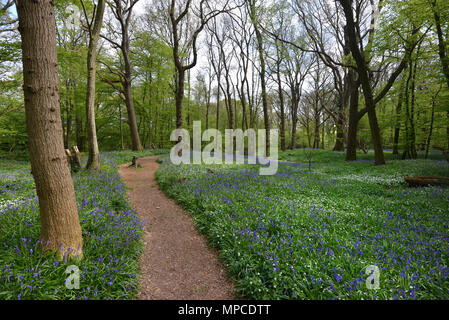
(311, 235)
(111, 231)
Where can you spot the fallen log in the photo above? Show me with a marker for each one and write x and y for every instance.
(427, 181)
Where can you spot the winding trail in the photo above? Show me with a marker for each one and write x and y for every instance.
(177, 263)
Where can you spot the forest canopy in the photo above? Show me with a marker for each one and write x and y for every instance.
(377, 81)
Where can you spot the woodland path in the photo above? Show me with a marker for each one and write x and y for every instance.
(177, 263)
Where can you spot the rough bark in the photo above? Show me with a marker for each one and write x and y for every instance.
(60, 227)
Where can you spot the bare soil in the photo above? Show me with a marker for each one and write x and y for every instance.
(177, 263)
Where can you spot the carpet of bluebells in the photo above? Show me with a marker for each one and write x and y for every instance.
(111, 231)
(311, 233)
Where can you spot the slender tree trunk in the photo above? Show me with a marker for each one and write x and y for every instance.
(398, 122)
(281, 98)
(218, 101)
(316, 139)
(189, 118)
(132, 121)
(409, 145)
(79, 132)
(262, 75)
(412, 115)
(179, 97)
(429, 137)
(68, 126)
(60, 227)
(295, 103)
(127, 86)
(322, 135)
(228, 98)
(93, 162)
(442, 45)
(243, 100)
(351, 148)
(208, 98)
(122, 145)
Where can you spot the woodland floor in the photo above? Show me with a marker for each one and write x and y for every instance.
(177, 263)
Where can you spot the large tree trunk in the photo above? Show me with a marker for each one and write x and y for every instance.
(93, 162)
(60, 227)
(352, 85)
(363, 72)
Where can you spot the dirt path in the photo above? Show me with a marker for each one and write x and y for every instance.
(177, 263)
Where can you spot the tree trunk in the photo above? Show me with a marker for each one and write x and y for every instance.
(132, 122)
(375, 131)
(93, 162)
(68, 130)
(398, 122)
(295, 103)
(60, 227)
(351, 148)
(429, 137)
(322, 135)
(410, 132)
(262, 75)
(218, 101)
(179, 97)
(127, 86)
(442, 45)
(363, 72)
(340, 140)
(79, 132)
(281, 98)
(122, 145)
